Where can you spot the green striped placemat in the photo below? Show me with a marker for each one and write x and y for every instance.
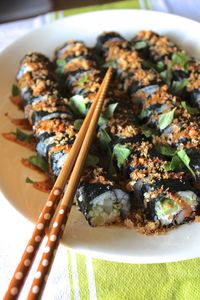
(103, 280)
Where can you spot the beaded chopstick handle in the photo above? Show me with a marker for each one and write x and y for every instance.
(47, 213)
(59, 223)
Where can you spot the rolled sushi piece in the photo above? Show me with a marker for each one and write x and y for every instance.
(108, 39)
(85, 83)
(169, 202)
(101, 202)
(36, 79)
(46, 130)
(57, 151)
(33, 62)
(71, 49)
(71, 57)
(166, 197)
(179, 70)
(80, 78)
(151, 106)
(127, 64)
(51, 107)
(79, 73)
(154, 47)
(49, 140)
(35, 86)
(57, 159)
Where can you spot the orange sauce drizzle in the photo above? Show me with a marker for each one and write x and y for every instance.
(27, 164)
(44, 186)
(17, 101)
(27, 144)
(22, 123)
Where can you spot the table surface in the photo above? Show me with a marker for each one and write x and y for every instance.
(12, 10)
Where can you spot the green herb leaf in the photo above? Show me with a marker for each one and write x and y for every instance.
(104, 139)
(61, 63)
(22, 136)
(179, 160)
(178, 86)
(148, 64)
(78, 123)
(180, 58)
(92, 160)
(109, 112)
(77, 105)
(111, 167)
(15, 90)
(112, 64)
(140, 45)
(174, 165)
(165, 207)
(190, 109)
(28, 180)
(145, 113)
(39, 162)
(83, 79)
(147, 131)
(121, 154)
(100, 61)
(166, 76)
(165, 119)
(165, 150)
(185, 160)
(160, 66)
(102, 121)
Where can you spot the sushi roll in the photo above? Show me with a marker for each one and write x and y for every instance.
(127, 64)
(101, 202)
(33, 62)
(84, 83)
(168, 202)
(71, 57)
(166, 197)
(51, 107)
(151, 106)
(57, 150)
(153, 46)
(47, 128)
(108, 39)
(38, 81)
(179, 70)
(34, 86)
(182, 131)
(71, 49)
(79, 74)
(57, 159)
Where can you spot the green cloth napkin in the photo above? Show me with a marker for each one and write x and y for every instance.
(102, 280)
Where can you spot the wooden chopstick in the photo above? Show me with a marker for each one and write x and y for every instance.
(58, 226)
(82, 142)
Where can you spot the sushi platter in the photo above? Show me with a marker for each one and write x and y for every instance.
(139, 198)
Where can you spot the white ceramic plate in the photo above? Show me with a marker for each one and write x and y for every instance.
(112, 243)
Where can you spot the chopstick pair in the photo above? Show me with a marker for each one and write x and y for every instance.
(73, 165)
